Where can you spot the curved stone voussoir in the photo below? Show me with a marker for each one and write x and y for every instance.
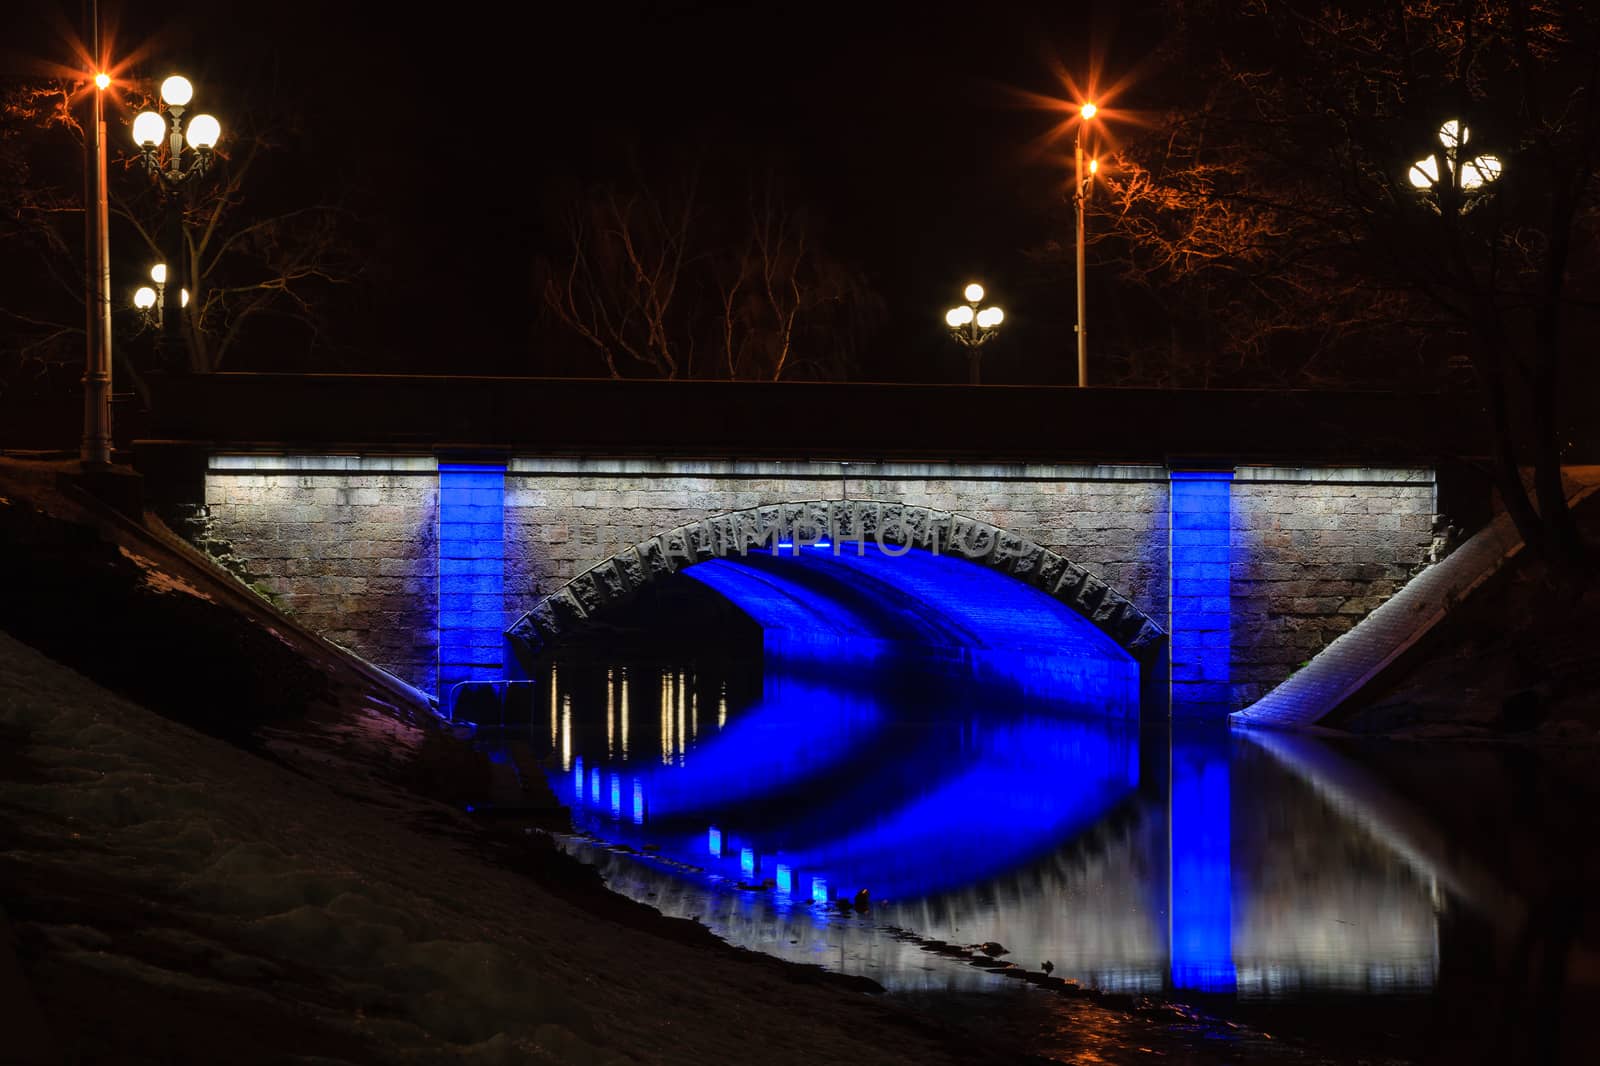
(1047, 573)
(890, 525)
(632, 569)
(1017, 556)
(588, 591)
(972, 540)
(1150, 641)
(1090, 594)
(1070, 584)
(528, 637)
(653, 554)
(565, 610)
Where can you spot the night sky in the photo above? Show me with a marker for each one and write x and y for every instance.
(454, 133)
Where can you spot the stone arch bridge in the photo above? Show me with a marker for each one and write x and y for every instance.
(1223, 579)
(1218, 539)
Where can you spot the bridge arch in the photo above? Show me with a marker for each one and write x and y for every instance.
(891, 527)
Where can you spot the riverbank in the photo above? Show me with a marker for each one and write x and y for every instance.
(226, 839)
(278, 865)
(1515, 661)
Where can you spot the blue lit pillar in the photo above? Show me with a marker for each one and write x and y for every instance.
(1200, 813)
(1200, 626)
(471, 575)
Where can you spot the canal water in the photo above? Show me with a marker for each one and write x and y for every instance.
(1027, 858)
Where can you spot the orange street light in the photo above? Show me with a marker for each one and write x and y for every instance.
(1086, 111)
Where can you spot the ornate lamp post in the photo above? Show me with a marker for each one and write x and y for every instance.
(151, 302)
(153, 130)
(1459, 175)
(1080, 198)
(973, 328)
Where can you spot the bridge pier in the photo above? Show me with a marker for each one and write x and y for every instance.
(1200, 618)
(472, 560)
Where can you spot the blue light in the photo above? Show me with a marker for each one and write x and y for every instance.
(819, 890)
(1201, 611)
(747, 861)
(800, 728)
(1201, 864)
(594, 785)
(785, 879)
(616, 795)
(471, 572)
(638, 802)
(714, 841)
(1017, 792)
(577, 777)
(862, 609)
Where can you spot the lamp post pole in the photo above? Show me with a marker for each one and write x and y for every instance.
(1083, 287)
(95, 448)
(1080, 198)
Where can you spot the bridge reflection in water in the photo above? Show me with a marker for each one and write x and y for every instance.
(969, 813)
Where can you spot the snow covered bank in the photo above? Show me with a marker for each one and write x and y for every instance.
(175, 898)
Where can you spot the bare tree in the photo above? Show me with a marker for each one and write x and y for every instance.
(247, 257)
(670, 284)
(241, 261)
(1281, 202)
(41, 226)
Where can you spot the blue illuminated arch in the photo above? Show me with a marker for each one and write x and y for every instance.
(937, 597)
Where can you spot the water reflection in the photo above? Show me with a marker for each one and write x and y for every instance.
(814, 817)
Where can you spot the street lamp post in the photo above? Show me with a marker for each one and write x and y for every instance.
(173, 175)
(1080, 197)
(1472, 176)
(973, 327)
(95, 448)
(151, 302)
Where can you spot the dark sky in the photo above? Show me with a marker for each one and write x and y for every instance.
(454, 128)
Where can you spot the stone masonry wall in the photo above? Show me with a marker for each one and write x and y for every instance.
(1313, 551)
(351, 552)
(349, 544)
(564, 516)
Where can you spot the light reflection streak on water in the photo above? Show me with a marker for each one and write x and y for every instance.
(566, 729)
(678, 701)
(975, 852)
(554, 723)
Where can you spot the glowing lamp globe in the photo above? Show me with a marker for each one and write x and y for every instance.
(1088, 111)
(957, 317)
(102, 81)
(144, 298)
(1480, 172)
(158, 273)
(148, 129)
(204, 131)
(183, 297)
(1424, 173)
(973, 292)
(990, 317)
(177, 91)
